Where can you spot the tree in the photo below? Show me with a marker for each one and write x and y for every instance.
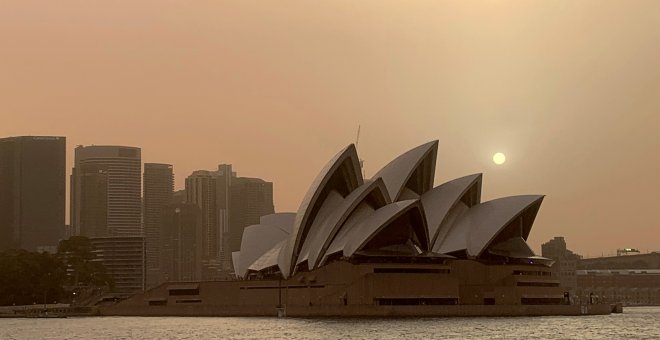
(84, 270)
(30, 277)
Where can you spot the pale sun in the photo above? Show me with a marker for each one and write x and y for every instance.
(499, 158)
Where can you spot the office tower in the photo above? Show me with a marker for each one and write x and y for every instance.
(182, 238)
(92, 179)
(158, 191)
(119, 167)
(124, 259)
(228, 204)
(202, 190)
(32, 192)
(250, 198)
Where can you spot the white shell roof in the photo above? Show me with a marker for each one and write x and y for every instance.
(514, 247)
(345, 164)
(342, 213)
(257, 240)
(486, 220)
(283, 220)
(361, 212)
(320, 238)
(269, 258)
(397, 173)
(331, 205)
(483, 222)
(362, 233)
(235, 256)
(440, 200)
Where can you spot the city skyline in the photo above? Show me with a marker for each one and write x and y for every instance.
(568, 91)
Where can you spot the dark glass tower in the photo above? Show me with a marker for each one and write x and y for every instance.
(32, 192)
(158, 185)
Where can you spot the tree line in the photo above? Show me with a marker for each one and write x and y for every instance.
(33, 278)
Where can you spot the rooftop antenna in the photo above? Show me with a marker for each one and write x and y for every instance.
(357, 141)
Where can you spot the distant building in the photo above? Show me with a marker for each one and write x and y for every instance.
(124, 258)
(565, 262)
(250, 199)
(202, 190)
(119, 167)
(182, 238)
(158, 191)
(32, 192)
(228, 204)
(629, 286)
(179, 196)
(639, 261)
(629, 279)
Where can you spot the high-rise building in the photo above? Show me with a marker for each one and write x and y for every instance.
(250, 199)
(92, 181)
(32, 192)
(228, 204)
(182, 238)
(158, 191)
(115, 170)
(202, 190)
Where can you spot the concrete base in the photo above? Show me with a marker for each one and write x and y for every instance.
(361, 311)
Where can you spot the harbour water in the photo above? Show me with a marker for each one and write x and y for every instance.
(634, 323)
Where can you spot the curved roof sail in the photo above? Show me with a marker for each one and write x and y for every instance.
(235, 257)
(268, 259)
(392, 224)
(413, 170)
(374, 192)
(330, 206)
(480, 225)
(492, 218)
(342, 174)
(257, 240)
(440, 201)
(282, 220)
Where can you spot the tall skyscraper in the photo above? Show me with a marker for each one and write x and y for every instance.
(120, 168)
(250, 199)
(182, 238)
(228, 204)
(158, 191)
(92, 181)
(202, 190)
(32, 192)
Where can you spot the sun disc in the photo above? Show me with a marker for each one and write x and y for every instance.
(499, 158)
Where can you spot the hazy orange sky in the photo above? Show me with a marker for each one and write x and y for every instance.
(569, 90)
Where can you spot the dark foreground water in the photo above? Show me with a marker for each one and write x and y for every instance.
(634, 323)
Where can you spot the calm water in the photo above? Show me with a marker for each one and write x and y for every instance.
(637, 323)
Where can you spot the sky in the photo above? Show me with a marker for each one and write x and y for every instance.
(568, 90)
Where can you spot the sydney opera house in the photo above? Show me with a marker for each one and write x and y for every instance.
(393, 244)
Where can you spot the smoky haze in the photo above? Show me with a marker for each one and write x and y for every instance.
(568, 90)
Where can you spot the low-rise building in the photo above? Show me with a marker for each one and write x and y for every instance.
(629, 286)
(124, 258)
